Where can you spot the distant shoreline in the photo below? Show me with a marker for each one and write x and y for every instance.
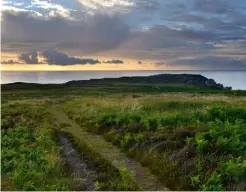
(159, 79)
(236, 80)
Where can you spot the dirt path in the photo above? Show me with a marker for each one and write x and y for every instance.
(141, 175)
(80, 171)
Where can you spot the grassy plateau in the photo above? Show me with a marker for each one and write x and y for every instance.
(188, 137)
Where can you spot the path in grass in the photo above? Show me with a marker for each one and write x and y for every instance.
(141, 175)
(78, 165)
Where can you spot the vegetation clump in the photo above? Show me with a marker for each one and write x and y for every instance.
(30, 158)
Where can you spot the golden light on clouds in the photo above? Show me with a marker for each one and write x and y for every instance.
(46, 67)
(129, 64)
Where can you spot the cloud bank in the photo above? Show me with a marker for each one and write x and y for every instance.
(27, 30)
(53, 57)
(198, 33)
(29, 58)
(216, 63)
(57, 58)
(10, 62)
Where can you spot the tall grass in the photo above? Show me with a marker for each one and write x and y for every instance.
(187, 144)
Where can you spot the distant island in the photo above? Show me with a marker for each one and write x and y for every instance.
(161, 79)
(188, 79)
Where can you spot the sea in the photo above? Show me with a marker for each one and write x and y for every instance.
(234, 79)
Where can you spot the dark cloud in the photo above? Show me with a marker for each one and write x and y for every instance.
(223, 18)
(211, 6)
(56, 58)
(89, 34)
(160, 63)
(176, 7)
(147, 5)
(222, 30)
(209, 62)
(53, 57)
(210, 31)
(29, 58)
(114, 62)
(161, 36)
(10, 62)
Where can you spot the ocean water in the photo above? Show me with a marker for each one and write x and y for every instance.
(235, 79)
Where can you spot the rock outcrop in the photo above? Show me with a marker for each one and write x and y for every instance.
(207, 83)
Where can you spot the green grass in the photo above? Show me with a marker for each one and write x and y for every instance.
(155, 129)
(190, 137)
(32, 91)
(30, 158)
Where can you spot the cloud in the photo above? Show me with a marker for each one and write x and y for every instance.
(14, 10)
(29, 58)
(222, 30)
(55, 9)
(161, 36)
(114, 62)
(57, 58)
(210, 6)
(224, 18)
(147, 5)
(10, 62)
(53, 57)
(179, 31)
(214, 62)
(99, 4)
(160, 63)
(89, 35)
(120, 6)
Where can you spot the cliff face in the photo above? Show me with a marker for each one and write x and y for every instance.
(156, 79)
(208, 83)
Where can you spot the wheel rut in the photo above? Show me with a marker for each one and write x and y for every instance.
(141, 175)
(79, 167)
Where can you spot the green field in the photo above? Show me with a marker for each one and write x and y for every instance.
(129, 136)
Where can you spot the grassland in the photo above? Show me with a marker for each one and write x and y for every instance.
(29, 157)
(189, 137)
(188, 141)
(32, 158)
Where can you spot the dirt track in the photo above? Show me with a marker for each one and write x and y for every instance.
(78, 165)
(141, 175)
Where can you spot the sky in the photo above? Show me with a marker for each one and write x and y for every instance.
(123, 35)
